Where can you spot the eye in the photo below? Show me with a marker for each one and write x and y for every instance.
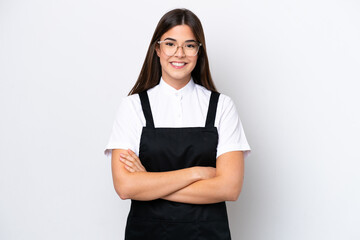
(170, 44)
(191, 45)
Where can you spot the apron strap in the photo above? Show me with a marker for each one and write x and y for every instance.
(145, 104)
(211, 114)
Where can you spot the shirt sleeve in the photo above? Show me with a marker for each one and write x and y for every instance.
(231, 133)
(126, 128)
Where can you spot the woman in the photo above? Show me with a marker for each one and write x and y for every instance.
(177, 144)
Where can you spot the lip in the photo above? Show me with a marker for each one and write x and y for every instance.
(178, 67)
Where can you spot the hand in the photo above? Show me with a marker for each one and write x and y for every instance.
(132, 162)
(206, 172)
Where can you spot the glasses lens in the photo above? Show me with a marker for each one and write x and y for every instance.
(170, 48)
(191, 49)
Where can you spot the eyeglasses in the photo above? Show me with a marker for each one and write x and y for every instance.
(170, 47)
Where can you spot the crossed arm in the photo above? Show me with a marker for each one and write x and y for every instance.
(197, 185)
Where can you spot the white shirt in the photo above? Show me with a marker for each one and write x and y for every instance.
(186, 107)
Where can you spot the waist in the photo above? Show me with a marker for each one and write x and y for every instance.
(164, 210)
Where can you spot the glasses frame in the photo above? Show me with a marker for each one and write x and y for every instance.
(177, 48)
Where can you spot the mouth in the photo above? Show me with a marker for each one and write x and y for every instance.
(178, 65)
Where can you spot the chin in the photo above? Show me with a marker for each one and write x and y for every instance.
(180, 78)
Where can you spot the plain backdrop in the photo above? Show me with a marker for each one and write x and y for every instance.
(292, 68)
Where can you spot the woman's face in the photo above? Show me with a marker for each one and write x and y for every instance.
(177, 69)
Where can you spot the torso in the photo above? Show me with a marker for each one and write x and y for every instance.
(166, 149)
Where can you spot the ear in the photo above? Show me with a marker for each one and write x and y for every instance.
(157, 49)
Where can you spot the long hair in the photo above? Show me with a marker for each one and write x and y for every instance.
(151, 70)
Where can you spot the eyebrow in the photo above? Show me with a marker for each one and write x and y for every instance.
(172, 39)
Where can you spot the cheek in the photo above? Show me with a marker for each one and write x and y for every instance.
(163, 59)
(194, 61)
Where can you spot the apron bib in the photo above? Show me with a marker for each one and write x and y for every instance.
(167, 149)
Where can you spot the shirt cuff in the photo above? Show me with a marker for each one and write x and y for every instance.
(116, 145)
(245, 149)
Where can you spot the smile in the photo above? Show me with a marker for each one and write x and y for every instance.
(178, 64)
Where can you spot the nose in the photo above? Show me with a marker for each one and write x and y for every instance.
(180, 52)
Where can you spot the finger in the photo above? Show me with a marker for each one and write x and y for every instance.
(126, 160)
(132, 154)
(136, 160)
(130, 151)
(131, 162)
(129, 168)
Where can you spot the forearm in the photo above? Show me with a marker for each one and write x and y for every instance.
(153, 185)
(206, 191)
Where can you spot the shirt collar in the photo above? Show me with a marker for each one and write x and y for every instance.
(165, 87)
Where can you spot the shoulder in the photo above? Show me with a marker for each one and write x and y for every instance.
(132, 102)
(129, 101)
(130, 105)
(227, 108)
(224, 100)
(129, 112)
(202, 91)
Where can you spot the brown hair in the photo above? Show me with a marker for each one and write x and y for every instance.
(151, 70)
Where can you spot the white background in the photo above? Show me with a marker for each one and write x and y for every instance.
(292, 68)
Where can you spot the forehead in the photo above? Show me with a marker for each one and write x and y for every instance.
(179, 33)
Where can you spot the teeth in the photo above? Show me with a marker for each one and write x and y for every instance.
(178, 64)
